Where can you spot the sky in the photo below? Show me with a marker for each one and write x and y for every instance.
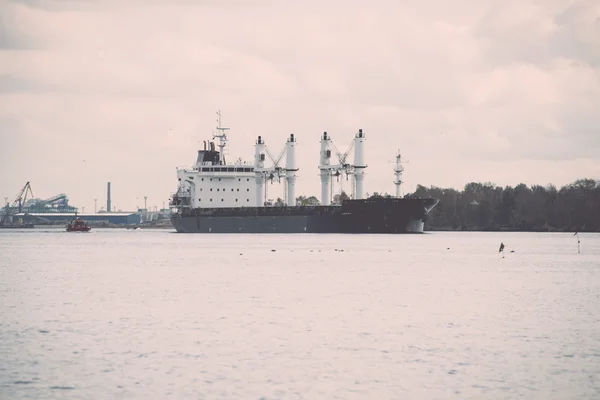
(501, 91)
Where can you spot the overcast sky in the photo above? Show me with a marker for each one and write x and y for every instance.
(124, 91)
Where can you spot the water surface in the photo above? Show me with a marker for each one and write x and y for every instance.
(154, 314)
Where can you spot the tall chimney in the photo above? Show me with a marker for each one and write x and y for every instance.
(108, 209)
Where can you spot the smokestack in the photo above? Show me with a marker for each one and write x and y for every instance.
(108, 209)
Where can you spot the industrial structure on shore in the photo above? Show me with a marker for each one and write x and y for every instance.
(26, 211)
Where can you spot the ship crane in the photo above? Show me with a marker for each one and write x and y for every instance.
(275, 171)
(356, 170)
(398, 170)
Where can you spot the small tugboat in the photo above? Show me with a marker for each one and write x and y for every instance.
(78, 225)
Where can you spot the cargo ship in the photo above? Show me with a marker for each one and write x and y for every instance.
(217, 196)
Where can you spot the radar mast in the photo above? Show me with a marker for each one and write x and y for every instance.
(222, 138)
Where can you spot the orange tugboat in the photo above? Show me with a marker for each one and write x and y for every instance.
(78, 225)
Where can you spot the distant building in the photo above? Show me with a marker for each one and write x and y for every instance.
(121, 218)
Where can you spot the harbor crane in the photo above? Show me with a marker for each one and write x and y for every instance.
(17, 205)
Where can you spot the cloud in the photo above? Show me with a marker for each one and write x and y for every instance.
(541, 32)
(467, 89)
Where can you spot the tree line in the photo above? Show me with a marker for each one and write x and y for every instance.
(488, 207)
(485, 206)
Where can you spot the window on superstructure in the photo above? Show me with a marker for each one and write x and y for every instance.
(219, 179)
(232, 189)
(247, 179)
(236, 200)
(202, 179)
(211, 179)
(211, 189)
(247, 200)
(221, 199)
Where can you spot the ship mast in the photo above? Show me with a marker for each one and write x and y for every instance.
(222, 138)
(398, 171)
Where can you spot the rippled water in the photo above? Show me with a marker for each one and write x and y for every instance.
(154, 314)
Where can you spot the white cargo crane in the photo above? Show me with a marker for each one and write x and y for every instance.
(398, 170)
(329, 170)
(356, 170)
(275, 171)
(291, 168)
(359, 163)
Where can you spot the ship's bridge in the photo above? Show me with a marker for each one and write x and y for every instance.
(218, 186)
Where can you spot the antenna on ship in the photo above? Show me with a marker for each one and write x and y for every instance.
(222, 137)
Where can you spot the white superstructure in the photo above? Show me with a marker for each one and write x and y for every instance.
(212, 182)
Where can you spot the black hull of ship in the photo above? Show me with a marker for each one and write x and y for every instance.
(353, 216)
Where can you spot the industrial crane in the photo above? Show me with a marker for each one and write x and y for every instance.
(17, 204)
